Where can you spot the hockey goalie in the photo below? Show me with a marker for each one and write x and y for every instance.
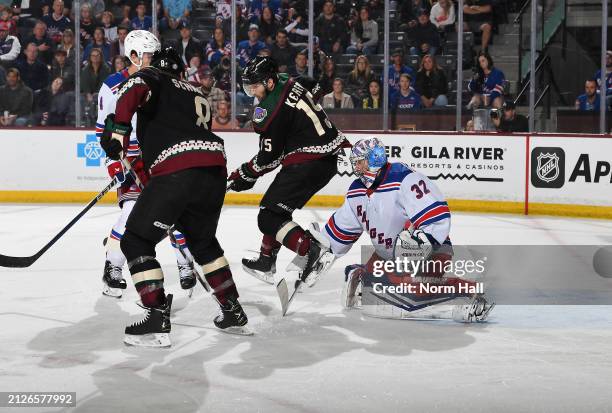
(407, 219)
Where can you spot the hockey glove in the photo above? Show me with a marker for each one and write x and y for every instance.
(113, 137)
(140, 171)
(115, 169)
(241, 179)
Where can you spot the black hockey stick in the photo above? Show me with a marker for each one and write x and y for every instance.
(22, 262)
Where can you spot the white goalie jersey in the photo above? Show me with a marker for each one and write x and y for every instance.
(403, 196)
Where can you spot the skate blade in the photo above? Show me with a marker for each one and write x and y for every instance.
(112, 292)
(189, 292)
(237, 330)
(266, 277)
(159, 340)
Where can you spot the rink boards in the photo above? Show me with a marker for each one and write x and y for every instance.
(535, 174)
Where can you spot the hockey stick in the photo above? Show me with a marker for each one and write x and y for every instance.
(22, 262)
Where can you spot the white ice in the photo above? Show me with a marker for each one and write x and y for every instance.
(58, 333)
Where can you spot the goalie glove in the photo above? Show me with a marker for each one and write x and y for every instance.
(113, 137)
(412, 245)
(241, 179)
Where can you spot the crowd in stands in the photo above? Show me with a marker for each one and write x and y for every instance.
(37, 51)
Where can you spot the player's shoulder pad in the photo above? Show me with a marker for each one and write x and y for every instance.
(398, 171)
(308, 82)
(356, 190)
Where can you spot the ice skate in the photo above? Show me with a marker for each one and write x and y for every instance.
(187, 277)
(263, 267)
(475, 310)
(232, 319)
(113, 280)
(318, 260)
(153, 330)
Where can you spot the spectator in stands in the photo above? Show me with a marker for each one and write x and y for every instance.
(9, 46)
(338, 99)
(282, 51)
(100, 43)
(93, 74)
(409, 12)
(117, 47)
(256, 9)
(300, 68)
(34, 73)
(57, 21)
(478, 18)
(188, 46)
(242, 26)
(7, 17)
(210, 92)
(61, 68)
(222, 74)
(331, 29)
(359, 78)
(590, 100)
(326, 81)
(487, 84)
(608, 78)
(43, 42)
(110, 29)
(141, 21)
(67, 45)
(397, 69)
(217, 48)
(194, 70)
(119, 63)
(52, 105)
(424, 37)
(26, 12)
(507, 120)
(431, 83)
(222, 118)
(248, 49)
(121, 11)
(268, 25)
(406, 98)
(88, 25)
(16, 99)
(442, 15)
(364, 34)
(175, 12)
(374, 100)
(97, 8)
(297, 27)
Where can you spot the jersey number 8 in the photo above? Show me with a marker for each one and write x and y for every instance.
(202, 108)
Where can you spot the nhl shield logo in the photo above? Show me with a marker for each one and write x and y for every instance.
(548, 167)
(259, 114)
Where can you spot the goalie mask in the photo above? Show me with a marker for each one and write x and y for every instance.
(373, 151)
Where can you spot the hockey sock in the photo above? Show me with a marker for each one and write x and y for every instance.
(219, 277)
(294, 237)
(149, 281)
(269, 246)
(113, 249)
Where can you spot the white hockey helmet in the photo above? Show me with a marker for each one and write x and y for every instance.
(140, 42)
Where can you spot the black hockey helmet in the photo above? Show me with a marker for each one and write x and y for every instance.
(169, 61)
(259, 70)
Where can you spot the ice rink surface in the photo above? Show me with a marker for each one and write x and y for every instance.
(58, 333)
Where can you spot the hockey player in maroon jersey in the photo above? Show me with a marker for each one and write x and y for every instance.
(186, 172)
(294, 132)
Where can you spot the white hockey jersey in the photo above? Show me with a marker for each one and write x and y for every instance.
(107, 101)
(404, 195)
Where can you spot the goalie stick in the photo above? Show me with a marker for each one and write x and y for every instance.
(22, 262)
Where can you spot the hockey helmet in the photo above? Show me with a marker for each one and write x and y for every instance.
(140, 42)
(169, 61)
(372, 150)
(259, 70)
